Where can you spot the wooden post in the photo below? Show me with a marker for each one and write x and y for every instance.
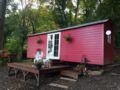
(24, 74)
(38, 79)
(16, 71)
(9, 70)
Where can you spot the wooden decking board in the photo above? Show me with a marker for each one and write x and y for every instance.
(28, 68)
(69, 79)
(58, 85)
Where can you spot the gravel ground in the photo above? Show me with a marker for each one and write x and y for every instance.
(108, 81)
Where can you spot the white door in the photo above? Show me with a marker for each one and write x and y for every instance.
(53, 46)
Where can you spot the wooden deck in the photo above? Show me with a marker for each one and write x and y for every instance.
(27, 68)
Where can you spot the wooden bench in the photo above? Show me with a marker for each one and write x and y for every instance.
(27, 68)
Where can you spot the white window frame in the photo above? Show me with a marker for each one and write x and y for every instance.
(53, 57)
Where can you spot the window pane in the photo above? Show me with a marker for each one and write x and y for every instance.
(56, 45)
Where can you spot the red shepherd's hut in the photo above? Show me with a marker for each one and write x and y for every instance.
(93, 41)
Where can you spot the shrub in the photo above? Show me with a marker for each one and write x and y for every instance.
(117, 59)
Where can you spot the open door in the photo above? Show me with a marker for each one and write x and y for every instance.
(53, 46)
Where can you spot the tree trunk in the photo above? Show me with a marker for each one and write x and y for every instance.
(33, 26)
(76, 10)
(2, 16)
(61, 4)
(100, 1)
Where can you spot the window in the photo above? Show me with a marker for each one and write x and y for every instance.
(53, 48)
(56, 45)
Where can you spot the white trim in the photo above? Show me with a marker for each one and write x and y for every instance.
(47, 47)
(59, 45)
(53, 45)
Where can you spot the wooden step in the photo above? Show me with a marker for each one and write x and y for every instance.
(58, 85)
(70, 73)
(68, 79)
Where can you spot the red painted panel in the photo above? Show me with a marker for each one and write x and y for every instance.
(87, 42)
(109, 52)
(33, 45)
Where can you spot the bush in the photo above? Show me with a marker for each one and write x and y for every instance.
(3, 61)
(38, 65)
(117, 59)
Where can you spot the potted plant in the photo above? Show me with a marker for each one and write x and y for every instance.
(68, 38)
(39, 41)
(38, 64)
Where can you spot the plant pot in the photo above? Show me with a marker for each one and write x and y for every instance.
(68, 38)
(38, 65)
(39, 41)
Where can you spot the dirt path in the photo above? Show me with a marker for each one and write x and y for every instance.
(107, 81)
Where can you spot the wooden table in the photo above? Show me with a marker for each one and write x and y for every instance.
(27, 68)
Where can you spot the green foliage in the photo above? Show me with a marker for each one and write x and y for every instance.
(12, 44)
(118, 39)
(117, 59)
(62, 11)
(88, 7)
(4, 61)
(20, 24)
(45, 21)
(110, 9)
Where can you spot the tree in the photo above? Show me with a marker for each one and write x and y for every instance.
(54, 14)
(77, 10)
(110, 9)
(88, 9)
(2, 16)
(21, 23)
